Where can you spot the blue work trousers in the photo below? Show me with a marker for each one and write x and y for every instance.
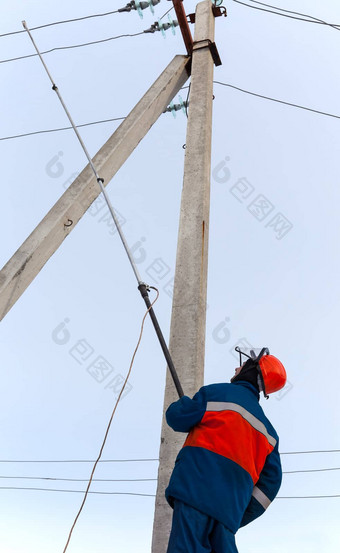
(195, 532)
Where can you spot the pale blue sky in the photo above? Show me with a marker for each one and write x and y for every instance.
(283, 293)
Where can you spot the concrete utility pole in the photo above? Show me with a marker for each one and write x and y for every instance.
(187, 334)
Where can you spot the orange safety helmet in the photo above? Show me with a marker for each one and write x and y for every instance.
(272, 373)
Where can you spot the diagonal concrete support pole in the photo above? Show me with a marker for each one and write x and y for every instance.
(187, 334)
(32, 255)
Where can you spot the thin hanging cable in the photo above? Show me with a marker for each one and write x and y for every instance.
(72, 46)
(109, 425)
(187, 100)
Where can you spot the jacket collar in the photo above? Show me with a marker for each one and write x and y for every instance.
(249, 386)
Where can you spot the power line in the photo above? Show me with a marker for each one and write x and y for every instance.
(71, 21)
(311, 20)
(305, 496)
(149, 495)
(315, 19)
(63, 128)
(313, 451)
(122, 118)
(140, 459)
(61, 22)
(79, 479)
(72, 46)
(310, 470)
(75, 491)
(76, 461)
(50, 478)
(278, 101)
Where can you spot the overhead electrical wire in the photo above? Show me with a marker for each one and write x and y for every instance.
(13, 137)
(303, 18)
(311, 19)
(310, 451)
(141, 459)
(72, 46)
(79, 479)
(54, 479)
(61, 22)
(71, 21)
(149, 495)
(310, 470)
(74, 491)
(77, 461)
(63, 128)
(279, 101)
(76, 45)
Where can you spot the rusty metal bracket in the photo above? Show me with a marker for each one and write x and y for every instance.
(217, 11)
(212, 47)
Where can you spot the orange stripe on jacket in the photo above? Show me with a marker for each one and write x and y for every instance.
(230, 435)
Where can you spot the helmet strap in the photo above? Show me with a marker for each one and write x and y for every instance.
(260, 381)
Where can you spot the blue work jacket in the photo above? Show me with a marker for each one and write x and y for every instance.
(229, 467)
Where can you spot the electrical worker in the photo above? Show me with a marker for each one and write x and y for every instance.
(229, 470)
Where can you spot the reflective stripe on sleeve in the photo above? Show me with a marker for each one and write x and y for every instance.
(255, 423)
(261, 497)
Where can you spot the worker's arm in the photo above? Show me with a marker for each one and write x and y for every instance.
(266, 488)
(185, 413)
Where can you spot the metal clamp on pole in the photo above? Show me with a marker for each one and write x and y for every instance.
(212, 47)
